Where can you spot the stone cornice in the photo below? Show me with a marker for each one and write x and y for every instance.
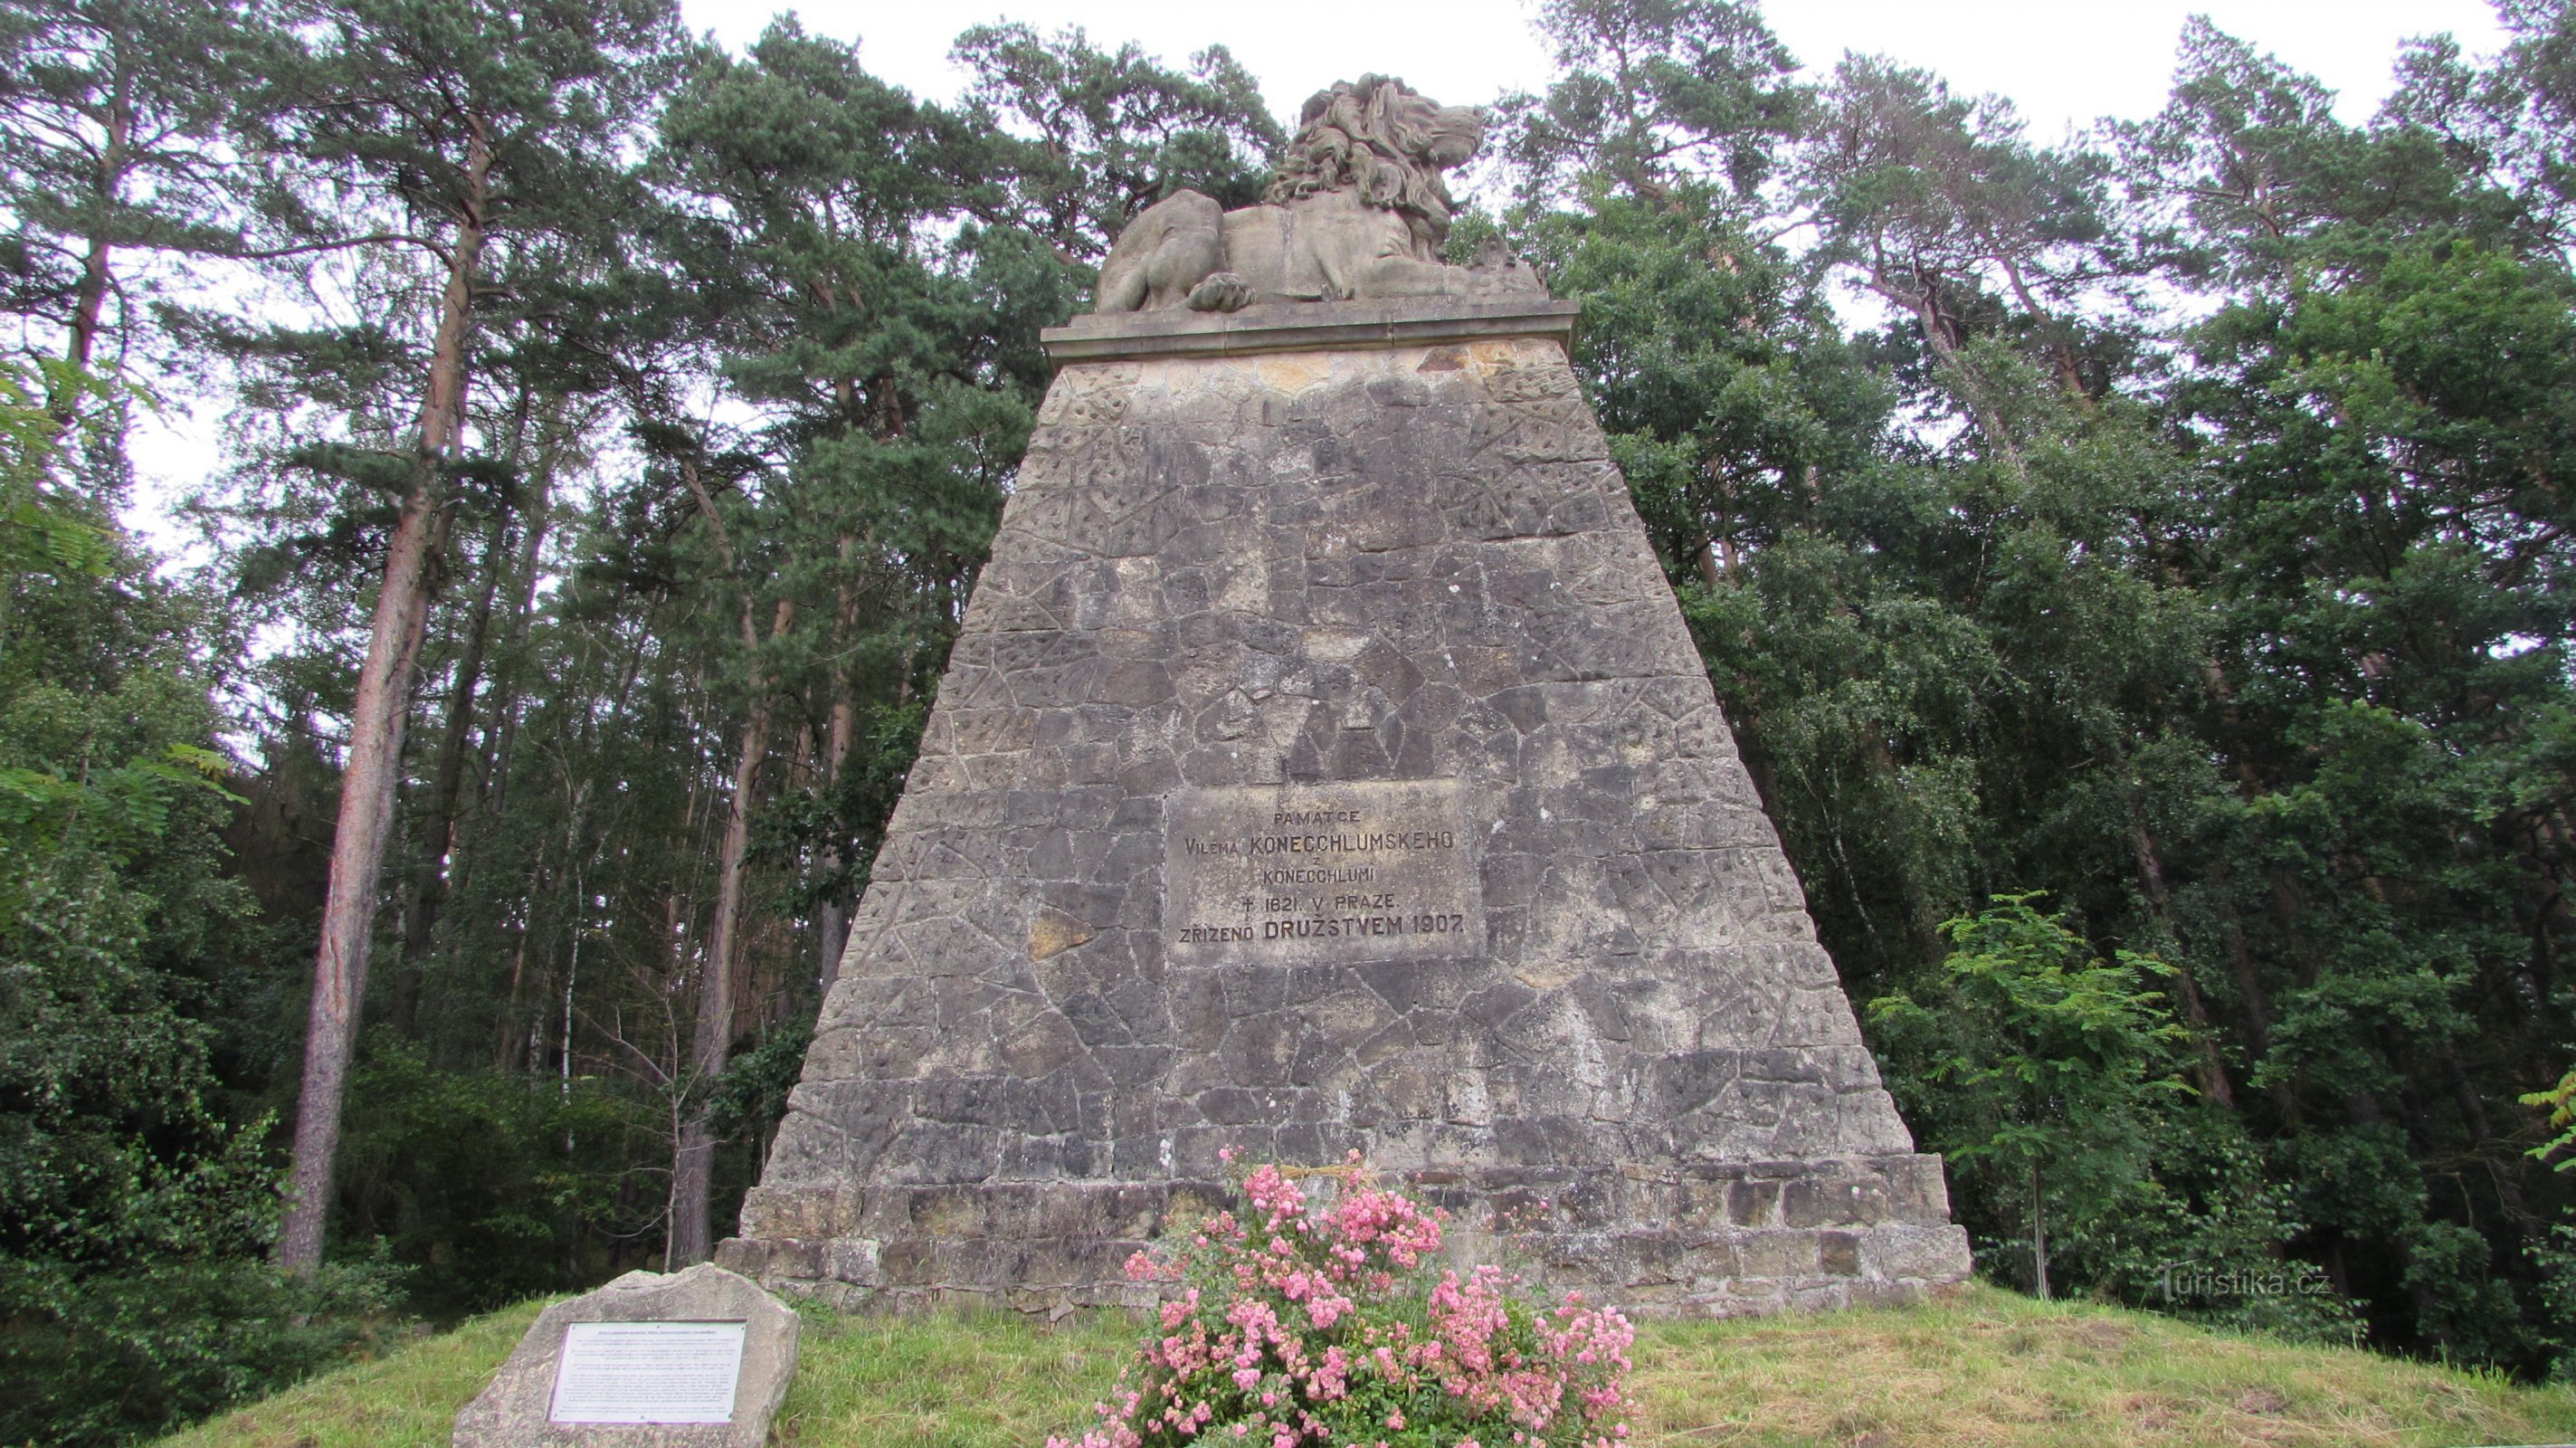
(1310, 326)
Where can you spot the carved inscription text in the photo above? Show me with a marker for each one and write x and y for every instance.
(1311, 873)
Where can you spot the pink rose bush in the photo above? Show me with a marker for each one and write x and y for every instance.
(1292, 1326)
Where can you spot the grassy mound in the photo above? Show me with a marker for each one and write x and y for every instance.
(1985, 1368)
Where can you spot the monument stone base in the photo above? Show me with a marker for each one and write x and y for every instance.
(1324, 766)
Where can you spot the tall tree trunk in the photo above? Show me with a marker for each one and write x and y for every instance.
(505, 1047)
(375, 753)
(1922, 916)
(1706, 559)
(2070, 374)
(2038, 1237)
(447, 778)
(1922, 298)
(89, 310)
(89, 298)
(501, 664)
(690, 1234)
(357, 855)
(89, 295)
(509, 676)
(2214, 1082)
(833, 918)
(693, 1164)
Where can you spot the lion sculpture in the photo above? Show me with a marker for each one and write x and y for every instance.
(1356, 210)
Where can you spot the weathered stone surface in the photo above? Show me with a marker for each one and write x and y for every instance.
(512, 1411)
(1386, 589)
(1308, 327)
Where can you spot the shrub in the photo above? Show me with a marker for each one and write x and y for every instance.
(1296, 1326)
(92, 1360)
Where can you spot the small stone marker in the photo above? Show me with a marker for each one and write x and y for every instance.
(695, 1359)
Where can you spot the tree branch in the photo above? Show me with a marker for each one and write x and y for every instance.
(344, 244)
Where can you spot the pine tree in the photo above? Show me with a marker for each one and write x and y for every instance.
(458, 128)
(113, 119)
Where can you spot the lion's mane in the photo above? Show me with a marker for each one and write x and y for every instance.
(1358, 136)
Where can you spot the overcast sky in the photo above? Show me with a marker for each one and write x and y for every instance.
(2061, 63)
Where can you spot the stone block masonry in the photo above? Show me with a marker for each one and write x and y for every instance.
(1324, 765)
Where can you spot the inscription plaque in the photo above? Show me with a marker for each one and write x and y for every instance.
(648, 1372)
(1320, 873)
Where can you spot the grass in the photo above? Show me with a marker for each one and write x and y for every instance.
(1985, 1369)
(1992, 1368)
(406, 1398)
(959, 1382)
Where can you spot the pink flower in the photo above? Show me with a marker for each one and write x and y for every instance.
(1282, 1303)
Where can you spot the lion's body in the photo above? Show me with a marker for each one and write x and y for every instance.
(1326, 248)
(1357, 211)
(1331, 247)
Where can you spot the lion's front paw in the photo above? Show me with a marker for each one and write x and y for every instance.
(1220, 292)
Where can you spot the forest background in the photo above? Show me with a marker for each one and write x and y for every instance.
(2152, 639)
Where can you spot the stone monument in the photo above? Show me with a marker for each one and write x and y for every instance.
(694, 1359)
(1323, 765)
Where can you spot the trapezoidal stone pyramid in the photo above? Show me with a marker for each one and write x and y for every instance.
(1323, 765)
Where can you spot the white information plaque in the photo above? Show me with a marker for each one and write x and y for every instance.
(647, 1372)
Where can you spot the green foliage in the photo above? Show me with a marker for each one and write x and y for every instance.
(2051, 1081)
(134, 1218)
(2561, 1101)
(116, 1357)
(109, 796)
(1096, 136)
(2039, 1072)
(484, 1184)
(1649, 91)
(751, 1095)
(2181, 544)
(114, 121)
(42, 533)
(830, 834)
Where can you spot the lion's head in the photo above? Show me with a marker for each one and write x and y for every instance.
(1385, 141)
